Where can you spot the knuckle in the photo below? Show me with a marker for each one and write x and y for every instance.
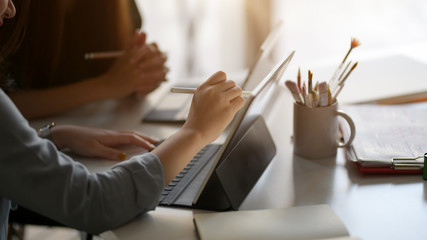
(210, 92)
(231, 83)
(221, 74)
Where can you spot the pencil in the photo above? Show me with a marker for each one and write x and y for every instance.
(193, 90)
(310, 81)
(103, 55)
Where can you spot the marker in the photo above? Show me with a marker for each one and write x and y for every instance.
(193, 90)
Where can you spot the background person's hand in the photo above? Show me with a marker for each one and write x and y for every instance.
(92, 142)
(153, 69)
(141, 69)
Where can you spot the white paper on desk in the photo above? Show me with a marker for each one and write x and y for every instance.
(387, 131)
(306, 222)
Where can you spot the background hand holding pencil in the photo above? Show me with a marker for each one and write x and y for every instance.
(139, 68)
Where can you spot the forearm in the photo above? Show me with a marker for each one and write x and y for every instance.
(96, 202)
(36, 103)
(177, 150)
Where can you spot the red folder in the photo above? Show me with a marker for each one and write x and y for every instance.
(387, 170)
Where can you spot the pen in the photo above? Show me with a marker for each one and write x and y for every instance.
(103, 55)
(193, 90)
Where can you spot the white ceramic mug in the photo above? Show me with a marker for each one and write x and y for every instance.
(316, 131)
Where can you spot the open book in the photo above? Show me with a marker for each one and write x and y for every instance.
(305, 223)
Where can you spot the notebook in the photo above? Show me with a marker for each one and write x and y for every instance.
(174, 107)
(222, 180)
(303, 222)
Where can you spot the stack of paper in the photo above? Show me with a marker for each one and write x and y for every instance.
(389, 138)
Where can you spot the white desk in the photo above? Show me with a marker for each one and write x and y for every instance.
(371, 206)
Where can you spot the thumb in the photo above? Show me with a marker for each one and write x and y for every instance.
(141, 38)
(138, 40)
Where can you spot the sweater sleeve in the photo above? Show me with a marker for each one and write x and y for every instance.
(34, 174)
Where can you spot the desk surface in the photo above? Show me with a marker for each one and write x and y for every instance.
(371, 206)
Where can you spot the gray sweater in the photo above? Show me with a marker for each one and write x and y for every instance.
(35, 175)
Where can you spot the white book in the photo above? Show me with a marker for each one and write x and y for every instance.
(305, 223)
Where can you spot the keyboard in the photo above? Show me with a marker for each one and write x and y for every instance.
(178, 184)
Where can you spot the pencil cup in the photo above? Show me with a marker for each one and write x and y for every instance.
(316, 131)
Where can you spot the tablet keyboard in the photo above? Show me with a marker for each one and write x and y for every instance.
(179, 183)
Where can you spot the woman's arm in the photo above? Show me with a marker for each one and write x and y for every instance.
(141, 69)
(213, 107)
(37, 103)
(35, 175)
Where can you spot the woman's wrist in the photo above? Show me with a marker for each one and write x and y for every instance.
(58, 135)
(194, 135)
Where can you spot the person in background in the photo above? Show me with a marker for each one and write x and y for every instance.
(50, 69)
(95, 202)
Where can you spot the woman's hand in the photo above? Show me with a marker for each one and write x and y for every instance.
(140, 69)
(214, 105)
(91, 142)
